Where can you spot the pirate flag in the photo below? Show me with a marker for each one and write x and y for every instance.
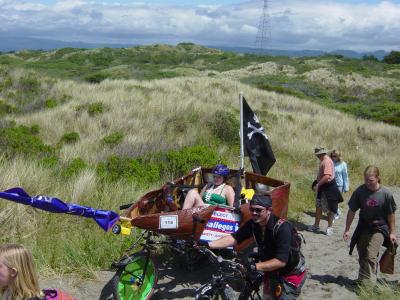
(256, 143)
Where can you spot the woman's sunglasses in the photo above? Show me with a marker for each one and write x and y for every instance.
(256, 210)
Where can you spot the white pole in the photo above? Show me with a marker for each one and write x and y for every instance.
(241, 131)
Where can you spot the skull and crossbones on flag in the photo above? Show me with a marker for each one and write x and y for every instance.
(256, 142)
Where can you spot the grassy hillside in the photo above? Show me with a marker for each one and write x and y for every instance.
(105, 144)
(364, 88)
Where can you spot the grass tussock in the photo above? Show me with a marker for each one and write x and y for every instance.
(381, 291)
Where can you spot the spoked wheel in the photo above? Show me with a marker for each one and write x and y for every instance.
(131, 283)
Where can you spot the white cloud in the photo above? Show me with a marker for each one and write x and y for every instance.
(312, 24)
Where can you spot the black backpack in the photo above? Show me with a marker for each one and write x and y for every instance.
(296, 258)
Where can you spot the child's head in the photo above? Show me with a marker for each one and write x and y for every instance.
(17, 272)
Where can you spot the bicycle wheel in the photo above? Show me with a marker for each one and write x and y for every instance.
(127, 281)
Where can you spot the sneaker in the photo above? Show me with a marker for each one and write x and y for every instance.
(329, 231)
(312, 228)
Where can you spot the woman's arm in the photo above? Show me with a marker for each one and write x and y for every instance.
(345, 176)
(229, 195)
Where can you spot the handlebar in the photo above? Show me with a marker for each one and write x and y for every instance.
(219, 260)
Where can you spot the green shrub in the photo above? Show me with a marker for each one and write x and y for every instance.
(113, 139)
(95, 108)
(279, 89)
(29, 84)
(69, 138)
(6, 108)
(50, 161)
(151, 169)
(369, 57)
(179, 162)
(392, 58)
(22, 140)
(34, 129)
(74, 168)
(50, 103)
(97, 77)
(224, 125)
(125, 168)
(178, 123)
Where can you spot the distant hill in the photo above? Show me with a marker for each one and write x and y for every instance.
(302, 53)
(8, 44)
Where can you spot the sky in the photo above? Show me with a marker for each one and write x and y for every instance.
(327, 25)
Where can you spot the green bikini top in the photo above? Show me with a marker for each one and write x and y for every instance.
(214, 199)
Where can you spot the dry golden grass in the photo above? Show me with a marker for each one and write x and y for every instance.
(329, 78)
(143, 110)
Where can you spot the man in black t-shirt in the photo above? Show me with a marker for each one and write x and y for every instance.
(376, 225)
(284, 270)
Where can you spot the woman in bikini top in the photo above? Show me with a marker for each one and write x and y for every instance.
(215, 193)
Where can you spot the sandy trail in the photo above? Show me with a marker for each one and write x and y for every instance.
(331, 268)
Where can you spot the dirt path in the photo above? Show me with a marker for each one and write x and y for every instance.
(331, 268)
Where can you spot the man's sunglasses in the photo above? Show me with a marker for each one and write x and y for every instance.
(255, 209)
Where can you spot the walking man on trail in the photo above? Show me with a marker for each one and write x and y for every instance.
(328, 195)
(280, 257)
(376, 225)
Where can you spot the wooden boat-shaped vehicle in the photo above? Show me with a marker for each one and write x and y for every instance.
(160, 210)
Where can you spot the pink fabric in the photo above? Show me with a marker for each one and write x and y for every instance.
(57, 295)
(295, 280)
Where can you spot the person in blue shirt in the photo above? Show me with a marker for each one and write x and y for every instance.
(341, 174)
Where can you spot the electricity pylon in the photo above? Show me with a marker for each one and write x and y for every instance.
(264, 32)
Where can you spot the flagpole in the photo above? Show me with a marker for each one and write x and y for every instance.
(241, 131)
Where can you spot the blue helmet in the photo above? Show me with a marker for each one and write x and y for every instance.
(221, 170)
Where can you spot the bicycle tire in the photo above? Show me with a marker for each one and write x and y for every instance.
(125, 280)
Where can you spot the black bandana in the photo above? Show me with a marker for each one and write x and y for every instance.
(261, 200)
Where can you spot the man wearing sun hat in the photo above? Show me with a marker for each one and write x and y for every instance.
(328, 195)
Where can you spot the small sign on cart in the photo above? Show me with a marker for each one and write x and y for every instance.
(169, 222)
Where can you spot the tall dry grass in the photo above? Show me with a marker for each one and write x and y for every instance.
(143, 110)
